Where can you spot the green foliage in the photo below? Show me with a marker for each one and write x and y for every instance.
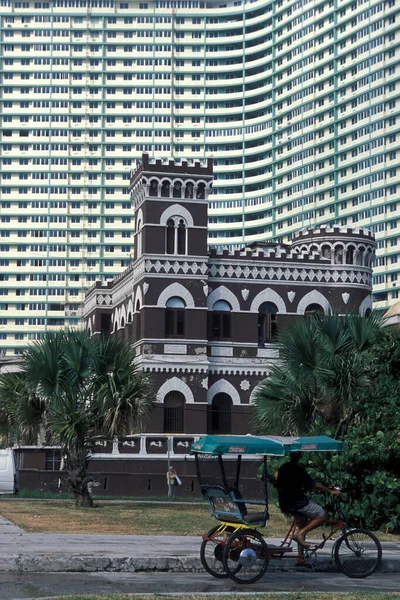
(322, 371)
(71, 388)
(348, 387)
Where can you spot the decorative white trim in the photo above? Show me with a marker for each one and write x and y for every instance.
(245, 294)
(345, 297)
(221, 351)
(268, 352)
(314, 297)
(365, 304)
(222, 293)
(227, 388)
(175, 385)
(175, 349)
(176, 210)
(122, 315)
(129, 310)
(268, 295)
(138, 296)
(139, 218)
(175, 289)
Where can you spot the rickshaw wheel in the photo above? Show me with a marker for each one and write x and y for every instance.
(358, 553)
(211, 552)
(245, 556)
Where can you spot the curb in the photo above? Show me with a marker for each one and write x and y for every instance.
(101, 563)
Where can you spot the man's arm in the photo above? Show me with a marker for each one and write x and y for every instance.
(322, 488)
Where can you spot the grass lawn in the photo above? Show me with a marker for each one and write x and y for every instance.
(118, 518)
(126, 518)
(266, 596)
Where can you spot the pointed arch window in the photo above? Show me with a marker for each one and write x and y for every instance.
(267, 323)
(174, 412)
(175, 317)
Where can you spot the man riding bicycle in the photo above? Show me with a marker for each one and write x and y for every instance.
(293, 483)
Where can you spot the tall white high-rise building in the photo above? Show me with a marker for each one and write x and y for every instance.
(297, 103)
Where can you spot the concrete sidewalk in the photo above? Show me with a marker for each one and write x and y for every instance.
(50, 552)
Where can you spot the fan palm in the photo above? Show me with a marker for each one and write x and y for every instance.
(75, 387)
(322, 372)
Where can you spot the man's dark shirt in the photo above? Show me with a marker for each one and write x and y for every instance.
(292, 484)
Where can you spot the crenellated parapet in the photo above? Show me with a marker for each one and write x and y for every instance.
(338, 245)
(179, 180)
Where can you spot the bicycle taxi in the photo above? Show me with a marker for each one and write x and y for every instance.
(235, 548)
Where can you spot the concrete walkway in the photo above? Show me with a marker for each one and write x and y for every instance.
(51, 552)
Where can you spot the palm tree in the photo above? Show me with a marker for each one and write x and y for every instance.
(71, 388)
(322, 371)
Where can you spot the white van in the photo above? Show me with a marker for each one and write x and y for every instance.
(9, 483)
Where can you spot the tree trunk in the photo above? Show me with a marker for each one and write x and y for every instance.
(77, 464)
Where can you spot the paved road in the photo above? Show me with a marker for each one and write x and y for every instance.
(30, 586)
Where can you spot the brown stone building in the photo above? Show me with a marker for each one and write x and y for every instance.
(204, 322)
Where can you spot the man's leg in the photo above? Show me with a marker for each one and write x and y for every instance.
(317, 516)
(301, 522)
(313, 524)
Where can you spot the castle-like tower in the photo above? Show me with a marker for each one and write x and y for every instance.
(204, 325)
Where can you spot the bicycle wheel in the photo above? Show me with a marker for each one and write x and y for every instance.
(211, 550)
(358, 553)
(245, 556)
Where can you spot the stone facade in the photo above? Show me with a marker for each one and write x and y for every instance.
(204, 322)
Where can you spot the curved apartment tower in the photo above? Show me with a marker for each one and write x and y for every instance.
(296, 102)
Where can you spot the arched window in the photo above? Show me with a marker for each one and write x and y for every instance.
(174, 412)
(360, 256)
(221, 320)
(170, 236)
(129, 317)
(326, 252)
(350, 255)
(176, 238)
(267, 323)
(153, 190)
(177, 190)
(219, 414)
(201, 191)
(338, 255)
(165, 189)
(189, 190)
(181, 237)
(175, 317)
(122, 322)
(314, 309)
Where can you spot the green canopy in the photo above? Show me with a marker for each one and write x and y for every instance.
(267, 444)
